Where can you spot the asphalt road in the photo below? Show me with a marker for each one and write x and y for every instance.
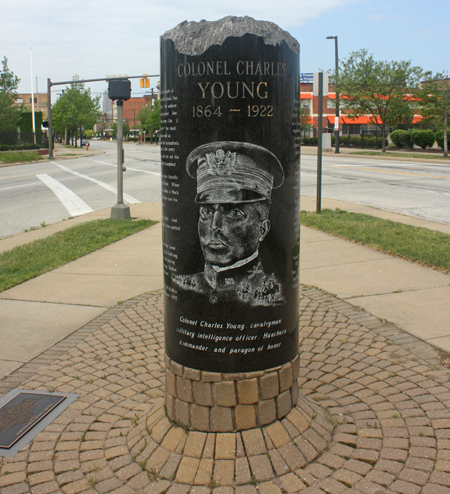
(47, 192)
(56, 190)
(420, 189)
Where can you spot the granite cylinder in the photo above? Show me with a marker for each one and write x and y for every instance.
(230, 149)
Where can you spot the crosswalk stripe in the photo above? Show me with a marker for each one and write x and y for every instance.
(129, 199)
(73, 203)
(129, 168)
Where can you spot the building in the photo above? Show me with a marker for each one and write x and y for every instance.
(347, 126)
(107, 106)
(40, 102)
(133, 106)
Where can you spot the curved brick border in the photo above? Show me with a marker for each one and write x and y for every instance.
(215, 402)
(171, 453)
(384, 391)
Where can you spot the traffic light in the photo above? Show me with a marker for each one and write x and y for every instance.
(145, 82)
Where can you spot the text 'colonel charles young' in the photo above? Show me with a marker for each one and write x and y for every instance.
(234, 186)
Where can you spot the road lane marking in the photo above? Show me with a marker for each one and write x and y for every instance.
(18, 186)
(390, 171)
(18, 176)
(127, 198)
(128, 168)
(73, 203)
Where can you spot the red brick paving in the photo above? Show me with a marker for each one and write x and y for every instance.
(373, 415)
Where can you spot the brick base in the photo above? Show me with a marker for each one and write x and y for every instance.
(217, 402)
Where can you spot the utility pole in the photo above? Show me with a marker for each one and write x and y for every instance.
(336, 120)
(319, 147)
(49, 112)
(32, 96)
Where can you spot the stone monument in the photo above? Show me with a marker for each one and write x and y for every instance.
(230, 151)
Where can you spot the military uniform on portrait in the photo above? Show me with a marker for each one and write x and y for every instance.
(234, 185)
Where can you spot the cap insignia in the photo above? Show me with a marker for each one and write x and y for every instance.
(220, 163)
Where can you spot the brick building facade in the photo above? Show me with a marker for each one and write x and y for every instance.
(40, 102)
(347, 125)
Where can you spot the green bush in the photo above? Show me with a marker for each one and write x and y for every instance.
(26, 121)
(18, 147)
(309, 141)
(380, 142)
(402, 138)
(423, 138)
(370, 142)
(440, 139)
(355, 141)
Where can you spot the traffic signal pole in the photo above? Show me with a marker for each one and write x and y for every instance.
(120, 211)
(49, 111)
(49, 100)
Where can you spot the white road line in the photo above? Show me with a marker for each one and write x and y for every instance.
(73, 203)
(128, 168)
(127, 198)
(17, 186)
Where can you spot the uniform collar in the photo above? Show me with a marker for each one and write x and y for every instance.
(229, 276)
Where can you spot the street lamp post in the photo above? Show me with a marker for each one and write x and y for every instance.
(336, 124)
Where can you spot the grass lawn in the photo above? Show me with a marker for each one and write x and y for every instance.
(14, 157)
(30, 260)
(426, 247)
(405, 154)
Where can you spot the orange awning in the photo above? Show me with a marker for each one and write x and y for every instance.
(306, 96)
(332, 117)
(364, 120)
(333, 96)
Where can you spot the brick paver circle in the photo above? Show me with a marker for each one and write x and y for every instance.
(373, 415)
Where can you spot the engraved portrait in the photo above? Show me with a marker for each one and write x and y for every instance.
(233, 196)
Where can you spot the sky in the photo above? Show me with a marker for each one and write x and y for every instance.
(96, 38)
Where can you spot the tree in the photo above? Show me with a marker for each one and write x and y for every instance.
(378, 89)
(9, 112)
(126, 129)
(150, 117)
(305, 119)
(434, 99)
(75, 109)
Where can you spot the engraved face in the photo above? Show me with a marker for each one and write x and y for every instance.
(229, 233)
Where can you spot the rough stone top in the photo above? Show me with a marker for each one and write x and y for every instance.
(194, 38)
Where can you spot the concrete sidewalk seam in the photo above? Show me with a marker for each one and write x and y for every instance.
(25, 371)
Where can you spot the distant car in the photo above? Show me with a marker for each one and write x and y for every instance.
(84, 142)
(96, 138)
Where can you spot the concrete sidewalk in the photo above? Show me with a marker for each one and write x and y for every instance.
(43, 311)
(373, 415)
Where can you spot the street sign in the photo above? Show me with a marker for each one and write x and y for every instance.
(316, 84)
(306, 78)
(119, 89)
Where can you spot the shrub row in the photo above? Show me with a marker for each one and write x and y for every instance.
(18, 147)
(423, 138)
(440, 138)
(403, 139)
(369, 141)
